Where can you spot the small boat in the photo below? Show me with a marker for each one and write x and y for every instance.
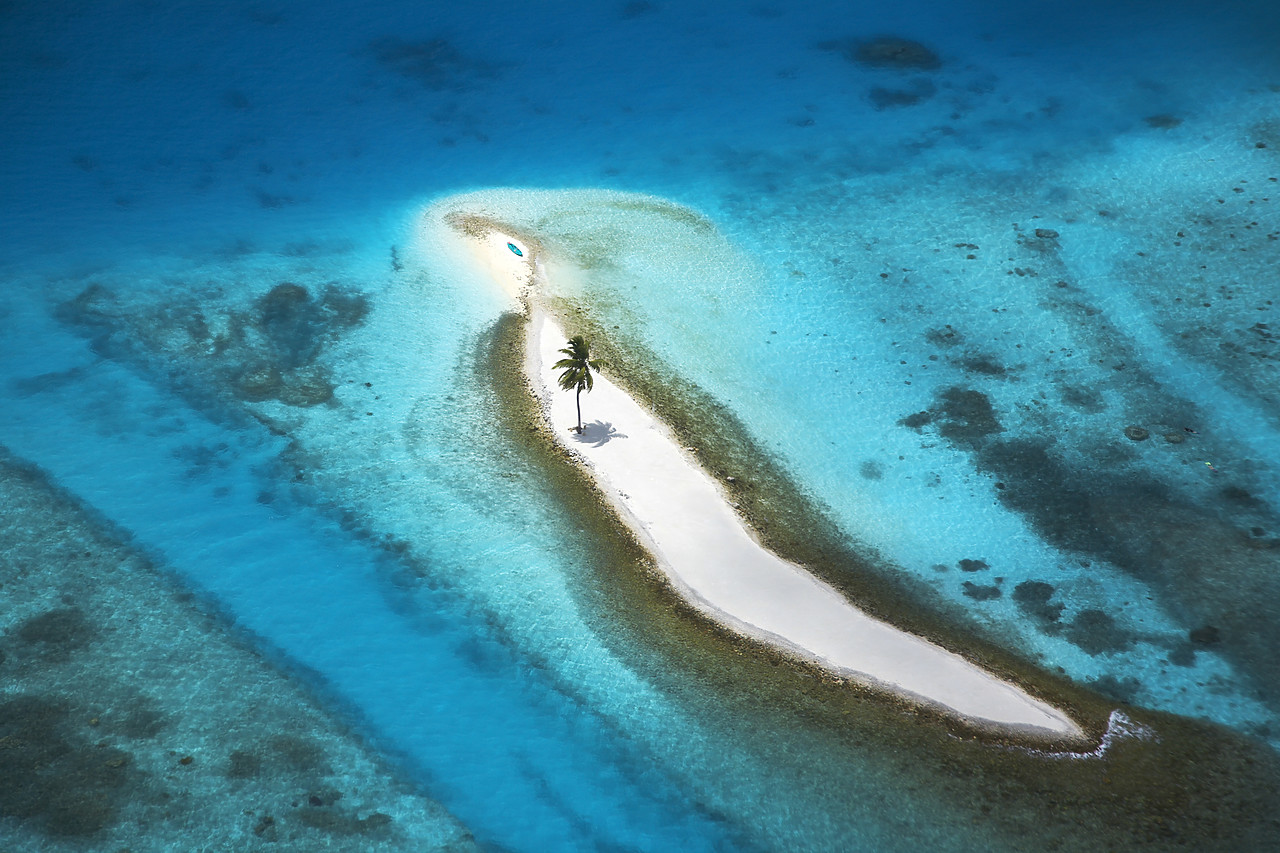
(513, 247)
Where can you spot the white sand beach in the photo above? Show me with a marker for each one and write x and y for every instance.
(681, 515)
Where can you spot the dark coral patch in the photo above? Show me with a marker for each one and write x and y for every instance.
(637, 9)
(298, 753)
(918, 420)
(63, 630)
(965, 417)
(968, 417)
(54, 779)
(1038, 485)
(281, 753)
(1032, 598)
(142, 722)
(983, 365)
(296, 325)
(1206, 635)
(1144, 528)
(344, 823)
(434, 63)
(1096, 632)
(242, 764)
(890, 52)
(979, 592)
(270, 350)
(946, 336)
(1082, 398)
(1121, 689)
(884, 98)
(1238, 496)
(257, 383)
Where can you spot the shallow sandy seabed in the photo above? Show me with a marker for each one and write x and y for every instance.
(118, 729)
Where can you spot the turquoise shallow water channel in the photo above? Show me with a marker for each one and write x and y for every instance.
(974, 305)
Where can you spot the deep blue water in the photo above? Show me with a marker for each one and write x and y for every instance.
(951, 387)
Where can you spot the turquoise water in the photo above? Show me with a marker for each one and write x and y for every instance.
(222, 333)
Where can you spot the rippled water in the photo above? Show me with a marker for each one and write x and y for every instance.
(979, 296)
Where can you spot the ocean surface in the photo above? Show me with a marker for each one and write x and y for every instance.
(985, 295)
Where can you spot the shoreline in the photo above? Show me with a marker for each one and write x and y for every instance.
(681, 516)
(713, 561)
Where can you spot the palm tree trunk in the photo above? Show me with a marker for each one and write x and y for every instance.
(578, 400)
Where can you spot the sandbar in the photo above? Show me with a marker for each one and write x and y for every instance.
(707, 552)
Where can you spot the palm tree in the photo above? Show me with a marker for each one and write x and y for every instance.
(577, 368)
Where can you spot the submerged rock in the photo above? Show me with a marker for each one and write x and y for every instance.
(1136, 433)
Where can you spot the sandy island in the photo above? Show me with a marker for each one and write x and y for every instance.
(711, 558)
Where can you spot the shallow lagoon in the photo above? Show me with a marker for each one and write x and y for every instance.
(990, 323)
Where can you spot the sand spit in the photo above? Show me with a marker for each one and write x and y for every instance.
(684, 519)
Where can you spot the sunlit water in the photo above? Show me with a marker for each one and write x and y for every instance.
(949, 384)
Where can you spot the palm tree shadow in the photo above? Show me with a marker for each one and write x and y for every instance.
(598, 434)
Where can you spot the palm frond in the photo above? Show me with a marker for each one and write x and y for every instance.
(577, 365)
